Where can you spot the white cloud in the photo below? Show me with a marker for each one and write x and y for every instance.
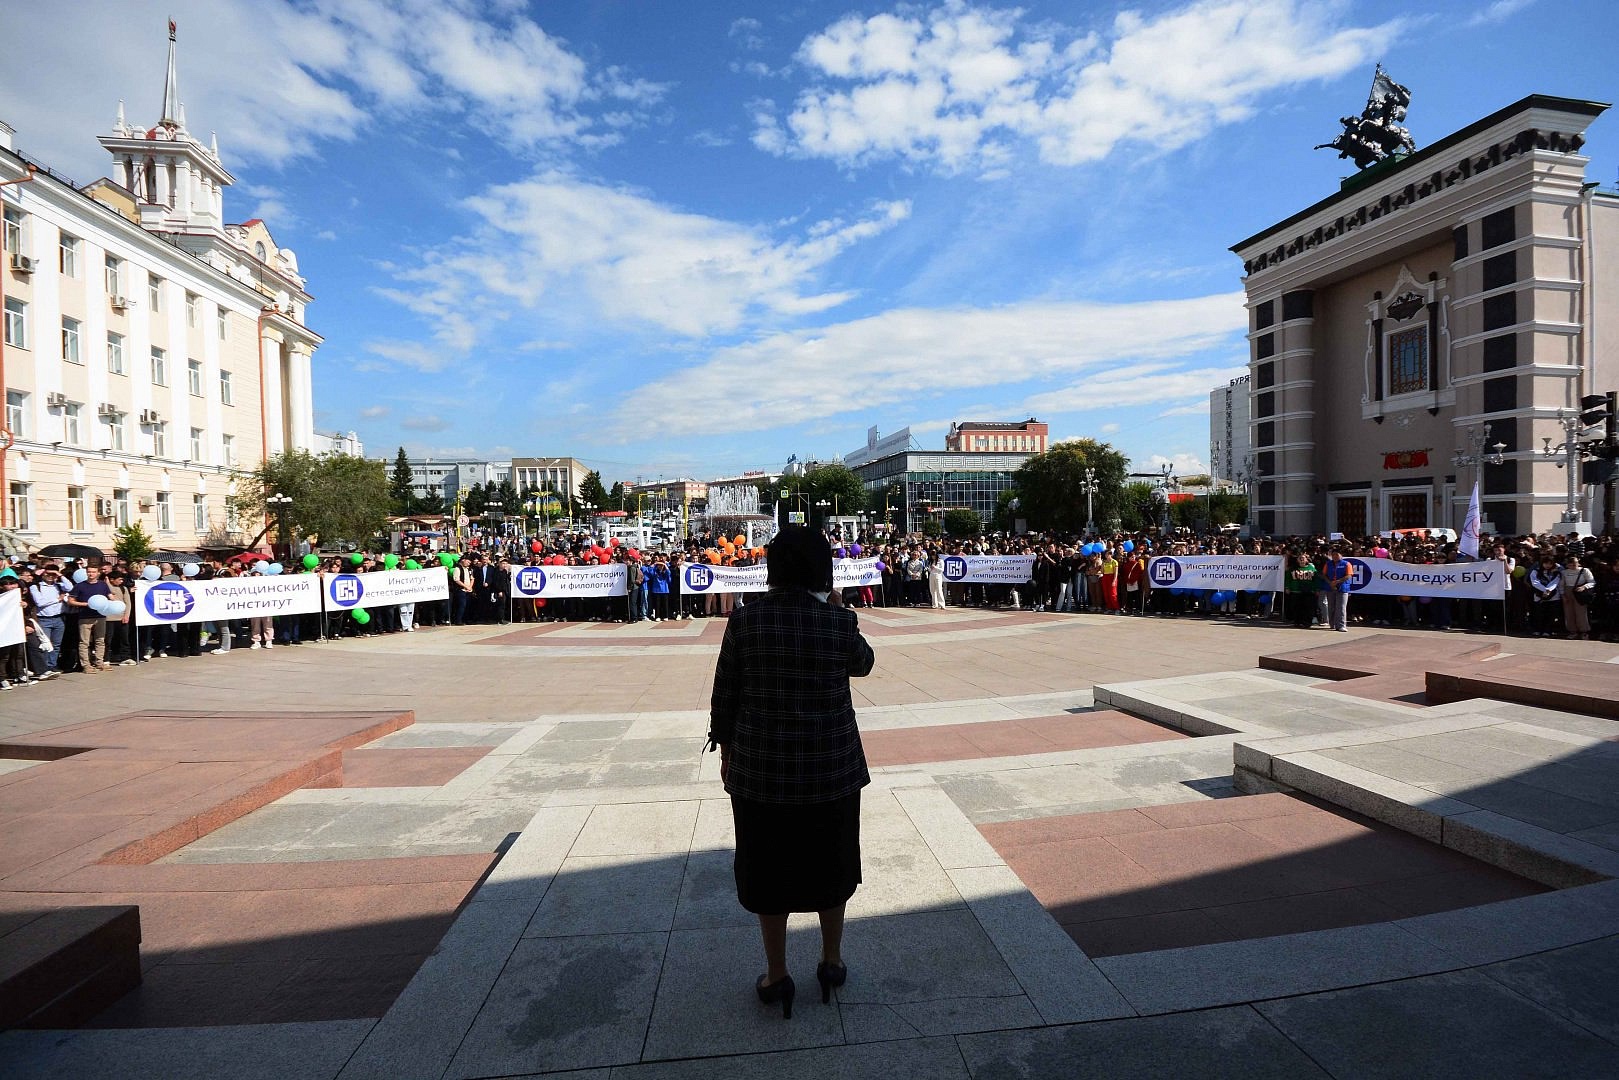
(1108, 429)
(960, 87)
(627, 258)
(1179, 464)
(1196, 408)
(375, 412)
(748, 33)
(429, 423)
(1498, 12)
(321, 69)
(1133, 384)
(897, 356)
(411, 354)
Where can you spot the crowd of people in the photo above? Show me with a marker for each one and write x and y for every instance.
(80, 617)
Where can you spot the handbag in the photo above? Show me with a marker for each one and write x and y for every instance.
(1583, 597)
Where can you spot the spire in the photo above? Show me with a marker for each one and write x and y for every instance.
(171, 89)
(120, 125)
(213, 144)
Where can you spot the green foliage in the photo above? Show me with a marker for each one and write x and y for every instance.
(1224, 507)
(1051, 487)
(615, 497)
(334, 496)
(132, 541)
(399, 485)
(931, 527)
(837, 484)
(962, 523)
(431, 503)
(1139, 506)
(1005, 517)
(591, 490)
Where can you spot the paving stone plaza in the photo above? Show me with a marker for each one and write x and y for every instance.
(1093, 846)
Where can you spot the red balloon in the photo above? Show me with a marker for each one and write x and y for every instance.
(633, 553)
(535, 547)
(613, 542)
(540, 602)
(604, 558)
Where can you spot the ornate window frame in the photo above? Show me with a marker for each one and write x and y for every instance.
(1409, 305)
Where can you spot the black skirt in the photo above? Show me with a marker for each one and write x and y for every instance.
(796, 857)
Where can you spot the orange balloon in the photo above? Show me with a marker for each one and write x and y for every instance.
(740, 539)
(758, 553)
(714, 557)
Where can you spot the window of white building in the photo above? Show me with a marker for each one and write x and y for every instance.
(15, 224)
(154, 293)
(16, 323)
(160, 367)
(68, 256)
(197, 444)
(115, 353)
(21, 506)
(75, 510)
(115, 276)
(160, 440)
(72, 433)
(17, 412)
(224, 387)
(191, 310)
(165, 512)
(199, 513)
(70, 341)
(228, 444)
(120, 507)
(194, 377)
(115, 431)
(220, 322)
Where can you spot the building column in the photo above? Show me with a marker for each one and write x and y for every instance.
(1281, 416)
(270, 391)
(300, 399)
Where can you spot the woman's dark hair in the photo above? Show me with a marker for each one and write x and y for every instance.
(799, 558)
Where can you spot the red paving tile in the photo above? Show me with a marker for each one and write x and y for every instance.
(1196, 873)
(229, 944)
(1010, 738)
(407, 766)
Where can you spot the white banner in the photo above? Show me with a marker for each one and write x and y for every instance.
(554, 581)
(854, 573)
(11, 628)
(159, 603)
(382, 587)
(1483, 580)
(1239, 573)
(989, 569)
(703, 579)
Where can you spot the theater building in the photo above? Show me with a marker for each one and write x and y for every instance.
(1469, 285)
(151, 349)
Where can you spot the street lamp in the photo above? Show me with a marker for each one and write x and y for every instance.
(1474, 456)
(1088, 485)
(278, 505)
(821, 505)
(1569, 451)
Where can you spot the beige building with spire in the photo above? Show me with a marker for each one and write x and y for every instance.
(151, 350)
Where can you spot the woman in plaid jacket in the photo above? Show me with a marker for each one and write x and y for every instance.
(790, 754)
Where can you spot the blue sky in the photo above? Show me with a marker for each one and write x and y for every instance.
(691, 239)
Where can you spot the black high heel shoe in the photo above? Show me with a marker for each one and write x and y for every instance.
(782, 990)
(829, 976)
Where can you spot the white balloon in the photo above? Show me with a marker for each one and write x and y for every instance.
(98, 604)
(260, 567)
(273, 569)
(79, 576)
(151, 573)
(189, 570)
(114, 608)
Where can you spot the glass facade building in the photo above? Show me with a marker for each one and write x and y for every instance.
(936, 481)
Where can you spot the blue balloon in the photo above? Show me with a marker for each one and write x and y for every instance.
(79, 576)
(98, 604)
(190, 569)
(1128, 546)
(260, 567)
(273, 569)
(114, 608)
(151, 573)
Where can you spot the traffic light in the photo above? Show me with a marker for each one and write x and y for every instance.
(1596, 415)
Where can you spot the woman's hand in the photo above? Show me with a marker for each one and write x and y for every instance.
(725, 764)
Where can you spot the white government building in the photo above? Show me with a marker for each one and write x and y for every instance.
(150, 349)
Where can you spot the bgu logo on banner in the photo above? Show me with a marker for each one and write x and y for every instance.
(698, 578)
(530, 580)
(169, 600)
(1360, 575)
(345, 590)
(955, 568)
(1165, 572)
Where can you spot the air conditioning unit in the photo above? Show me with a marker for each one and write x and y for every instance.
(145, 504)
(149, 417)
(55, 399)
(22, 264)
(120, 303)
(107, 411)
(104, 508)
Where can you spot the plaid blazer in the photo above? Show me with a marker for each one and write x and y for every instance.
(781, 704)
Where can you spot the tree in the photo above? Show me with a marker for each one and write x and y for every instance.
(838, 485)
(962, 523)
(333, 496)
(615, 497)
(400, 487)
(132, 542)
(1051, 486)
(431, 503)
(1138, 506)
(591, 490)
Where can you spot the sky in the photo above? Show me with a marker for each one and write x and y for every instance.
(691, 239)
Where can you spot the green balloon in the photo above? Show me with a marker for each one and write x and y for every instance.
(361, 615)
(412, 564)
(390, 561)
(446, 559)
(311, 561)
(357, 558)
